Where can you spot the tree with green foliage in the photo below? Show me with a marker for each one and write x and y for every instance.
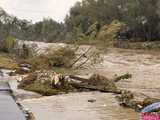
(9, 43)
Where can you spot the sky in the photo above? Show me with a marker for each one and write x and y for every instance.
(36, 10)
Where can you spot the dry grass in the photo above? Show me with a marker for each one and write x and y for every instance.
(7, 62)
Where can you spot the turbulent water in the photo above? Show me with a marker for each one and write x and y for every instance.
(75, 106)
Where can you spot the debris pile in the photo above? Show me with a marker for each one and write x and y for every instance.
(131, 100)
(41, 81)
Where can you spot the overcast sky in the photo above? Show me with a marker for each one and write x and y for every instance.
(36, 10)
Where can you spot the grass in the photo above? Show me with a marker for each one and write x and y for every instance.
(42, 89)
(7, 62)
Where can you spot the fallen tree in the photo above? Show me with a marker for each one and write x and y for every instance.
(48, 82)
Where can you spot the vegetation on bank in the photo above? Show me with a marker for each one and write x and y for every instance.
(86, 25)
(60, 58)
(6, 62)
(43, 89)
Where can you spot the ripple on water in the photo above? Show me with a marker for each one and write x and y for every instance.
(75, 106)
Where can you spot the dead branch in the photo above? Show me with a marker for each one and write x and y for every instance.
(81, 56)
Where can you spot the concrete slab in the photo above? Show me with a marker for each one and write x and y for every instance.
(4, 86)
(9, 110)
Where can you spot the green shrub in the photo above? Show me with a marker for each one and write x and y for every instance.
(9, 43)
(122, 77)
(6, 62)
(39, 62)
(62, 57)
(108, 33)
(42, 89)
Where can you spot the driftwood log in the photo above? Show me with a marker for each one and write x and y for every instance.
(79, 78)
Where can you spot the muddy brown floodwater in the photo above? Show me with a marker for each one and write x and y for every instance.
(144, 67)
(75, 106)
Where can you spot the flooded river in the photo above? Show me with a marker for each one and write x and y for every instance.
(75, 106)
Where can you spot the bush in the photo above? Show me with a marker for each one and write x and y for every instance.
(62, 57)
(39, 62)
(9, 43)
(108, 33)
(42, 89)
(7, 62)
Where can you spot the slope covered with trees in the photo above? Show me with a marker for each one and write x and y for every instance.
(87, 20)
(141, 17)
